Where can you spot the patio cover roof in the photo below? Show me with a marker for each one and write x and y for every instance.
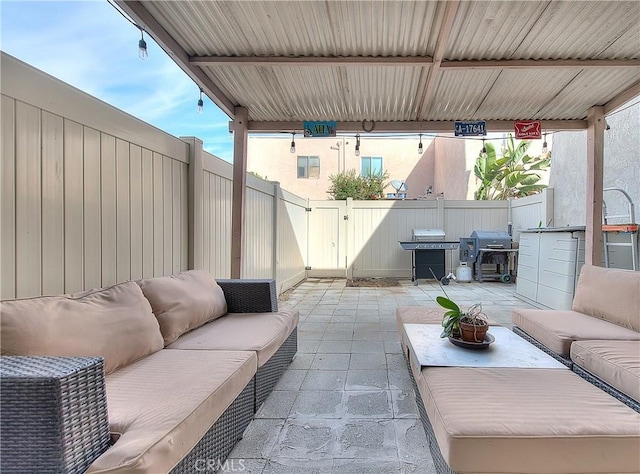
(405, 66)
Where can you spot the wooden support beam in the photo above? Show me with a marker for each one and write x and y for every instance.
(311, 60)
(240, 134)
(413, 61)
(418, 127)
(139, 13)
(623, 98)
(424, 102)
(540, 64)
(595, 166)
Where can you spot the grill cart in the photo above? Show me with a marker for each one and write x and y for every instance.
(428, 254)
(489, 247)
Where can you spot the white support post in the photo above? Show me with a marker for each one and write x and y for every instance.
(195, 197)
(275, 263)
(440, 202)
(548, 203)
(349, 240)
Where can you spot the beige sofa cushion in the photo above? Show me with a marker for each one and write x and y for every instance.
(115, 323)
(263, 333)
(184, 301)
(162, 405)
(615, 362)
(515, 420)
(557, 329)
(610, 294)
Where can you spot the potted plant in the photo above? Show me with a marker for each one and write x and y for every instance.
(470, 325)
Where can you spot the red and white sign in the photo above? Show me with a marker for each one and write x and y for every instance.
(526, 129)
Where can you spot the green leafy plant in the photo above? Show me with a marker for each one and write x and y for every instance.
(454, 316)
(351, 185)
(514, 174)
(258, 175)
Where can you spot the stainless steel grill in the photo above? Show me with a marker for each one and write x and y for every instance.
(428, 253)
(427, 235)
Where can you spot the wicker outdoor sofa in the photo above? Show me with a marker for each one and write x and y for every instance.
(599, 338)
(158, 375)
(542, 420)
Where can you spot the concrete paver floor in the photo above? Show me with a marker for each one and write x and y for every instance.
(346, 404)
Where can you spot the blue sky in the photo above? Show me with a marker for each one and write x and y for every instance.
(89, 45)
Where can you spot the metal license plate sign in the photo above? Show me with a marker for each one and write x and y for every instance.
(527, 129)
(320, 129)
(470, 129)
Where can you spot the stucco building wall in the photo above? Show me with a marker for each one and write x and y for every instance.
(621, 168)
(445, 165)
(270, 157)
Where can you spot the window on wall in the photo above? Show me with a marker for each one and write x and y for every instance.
(308, 167)
(371, 165)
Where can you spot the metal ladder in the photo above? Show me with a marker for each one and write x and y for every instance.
(628, 227)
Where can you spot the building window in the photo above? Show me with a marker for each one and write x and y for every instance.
(371, 165)
(309, 167)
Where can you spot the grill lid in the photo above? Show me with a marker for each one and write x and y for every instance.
(427, 235)
(491, 239)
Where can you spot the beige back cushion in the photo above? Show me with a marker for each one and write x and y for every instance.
(115, 323)
(184, 301)
(609, 294)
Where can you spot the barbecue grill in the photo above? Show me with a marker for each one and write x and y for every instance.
(428, 253)
(488, 247)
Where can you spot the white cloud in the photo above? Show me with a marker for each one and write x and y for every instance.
(89, 45)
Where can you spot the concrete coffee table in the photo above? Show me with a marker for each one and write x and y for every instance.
(428, 349)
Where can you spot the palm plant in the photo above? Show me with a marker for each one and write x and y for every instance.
(514, 174)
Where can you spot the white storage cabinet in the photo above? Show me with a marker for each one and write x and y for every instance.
(549, 263)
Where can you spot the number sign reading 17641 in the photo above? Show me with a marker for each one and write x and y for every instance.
(470, 129)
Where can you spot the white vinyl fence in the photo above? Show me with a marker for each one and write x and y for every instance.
(92, 196)
(355, 239)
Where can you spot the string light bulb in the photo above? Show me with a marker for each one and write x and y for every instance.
(420, 149)
(358, 145)
(293, 143)
(200, 108)
(142, 46)
(483, 152)
(545, 147)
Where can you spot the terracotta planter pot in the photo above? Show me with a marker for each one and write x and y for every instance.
(471, 333)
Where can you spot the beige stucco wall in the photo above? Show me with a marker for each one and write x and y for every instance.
(270, 157)
(621, 168)
(446, 163)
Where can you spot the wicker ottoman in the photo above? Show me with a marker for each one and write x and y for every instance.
(53, 413)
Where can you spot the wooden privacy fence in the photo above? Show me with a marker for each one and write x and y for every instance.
(91, 196)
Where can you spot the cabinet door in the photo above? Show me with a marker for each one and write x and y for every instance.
(527, 281)
(557, 271)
